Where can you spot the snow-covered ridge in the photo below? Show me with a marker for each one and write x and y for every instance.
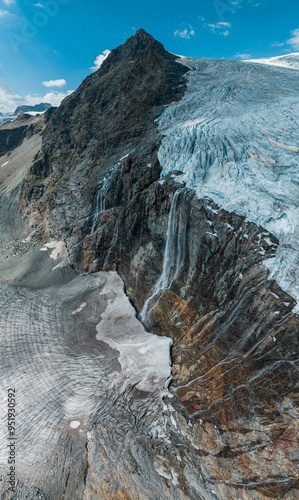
(235, 136)
(286, 61)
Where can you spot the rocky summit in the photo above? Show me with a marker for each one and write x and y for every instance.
(149, 283)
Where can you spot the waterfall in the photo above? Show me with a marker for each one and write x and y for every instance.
(101, 196)
(113, 243)
(175, 251)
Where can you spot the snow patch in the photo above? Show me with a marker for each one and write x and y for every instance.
(59, 251)
(144, 357)
(77, 311)
(74, 424)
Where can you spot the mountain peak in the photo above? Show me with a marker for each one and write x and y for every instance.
(142, 34)
(119, 102)
(142, 42)
(140, 46)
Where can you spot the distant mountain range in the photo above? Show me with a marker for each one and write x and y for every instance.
(20, 110)
(38, 108)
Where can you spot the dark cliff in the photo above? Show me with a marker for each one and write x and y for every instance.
(13, 133)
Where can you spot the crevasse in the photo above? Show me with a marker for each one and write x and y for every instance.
(235, 136)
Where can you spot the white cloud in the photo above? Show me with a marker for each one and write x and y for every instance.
(222, 24)
(100, 59)
(55, 83)
(243, 56)
(219, 28)
(186, 33)
(9, 100)
(53, 98)
(7, 3)
(277, 44)
(39, 5)
(240, 3)
(222, 7)
(4, 13)
(294, 40)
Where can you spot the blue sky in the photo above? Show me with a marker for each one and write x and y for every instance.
(57, 41)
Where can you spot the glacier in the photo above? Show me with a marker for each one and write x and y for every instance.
(235, 137)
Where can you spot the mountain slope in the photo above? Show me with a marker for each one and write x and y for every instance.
(115, 105)
(165, 175)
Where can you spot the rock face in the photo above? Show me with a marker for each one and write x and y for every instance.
(194, 272)
(234, 336)
(13, 133)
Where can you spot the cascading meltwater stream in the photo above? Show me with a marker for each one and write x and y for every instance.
(102, 193)
(174, 254)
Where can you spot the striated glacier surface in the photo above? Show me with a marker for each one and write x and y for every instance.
(235, 136)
